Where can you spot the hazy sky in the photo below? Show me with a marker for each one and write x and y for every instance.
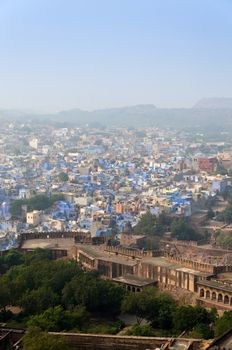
(61, 54)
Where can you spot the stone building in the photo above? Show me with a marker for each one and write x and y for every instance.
(183, 270)
(203, 280)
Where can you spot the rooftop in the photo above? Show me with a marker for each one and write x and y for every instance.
(134, 280)
(217, 285)
(49, 243)
(96, 252)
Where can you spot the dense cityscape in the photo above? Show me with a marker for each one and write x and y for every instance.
(75, 179)
(146, 208)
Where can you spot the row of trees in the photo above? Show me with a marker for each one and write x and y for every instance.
(226, 214)
(55, 295)
(163, 313)
(150, 224)
(153, 225)
(59, 295)
(224, 240)
(38, 202)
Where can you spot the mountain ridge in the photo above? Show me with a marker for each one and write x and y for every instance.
(214, 103)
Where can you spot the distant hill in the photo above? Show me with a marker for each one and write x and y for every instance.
(215, 103)
(202, 118)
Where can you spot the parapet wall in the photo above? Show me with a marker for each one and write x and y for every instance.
(55, 234)
(134, 253)
(109, 342)
(105, 342)
(78, 236)
(191, 264)
(195, 247)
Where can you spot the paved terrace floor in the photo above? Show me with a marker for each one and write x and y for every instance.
(48, 243)
(98, 253)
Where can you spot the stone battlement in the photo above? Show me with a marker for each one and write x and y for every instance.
(191, 264)
(134, 253)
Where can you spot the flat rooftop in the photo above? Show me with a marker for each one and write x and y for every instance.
(216, 285)
(98, 253)
(160, 261)
(134, 280)
(48, 243)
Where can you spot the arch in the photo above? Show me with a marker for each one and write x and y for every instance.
(219, 297)
(133, 289)
(207, 294)
(128, 288)
(202, 293)
(226, 299)
(214, 296)
(138, 289)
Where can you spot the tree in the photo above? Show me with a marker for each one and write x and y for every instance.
(56, 197)
(16, 207)
(140, 331)
(14, 257)
(216, 234)
(38, 279)
(38, 255)
(162, 316)
(4, 296)
(37, 300)
(98, 295)
(38, 202)
(149, 224)
(225, 241)
(183, 231)
(134, 305)
(221, 170)
(62, 274)
(223, 324)
(187, 317)
(35, 339)
(227, 214)
(210, 213)
(63, 177)
(156, 308)
(140, 304)
(202, 331)
(57, 319)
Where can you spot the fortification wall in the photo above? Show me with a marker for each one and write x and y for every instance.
(105, 342)
(191, 264)
(134, 253)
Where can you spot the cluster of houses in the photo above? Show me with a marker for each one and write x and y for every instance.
(108, 178)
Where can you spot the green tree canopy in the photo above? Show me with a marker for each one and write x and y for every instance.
(225, 241)
(187, 317)
(4, 295)
(152, 306)
(227, 213)
(152, 225)
(38, 202)
(58, 319)
(183, 231)
(63, 176)
(35, 339)
(224, 323)
(202, 331)
(97, 294)
(38, 300)
(140, 331)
